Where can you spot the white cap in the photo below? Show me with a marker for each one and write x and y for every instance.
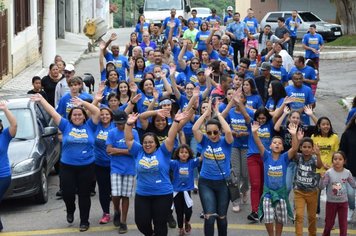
(229, 8)
(69, 67)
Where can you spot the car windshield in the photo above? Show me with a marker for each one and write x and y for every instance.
(25, 129)
(203, 11)
(309, 17)
(162, 5)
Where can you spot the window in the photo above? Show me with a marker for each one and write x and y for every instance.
(273, 17)
(22, 15)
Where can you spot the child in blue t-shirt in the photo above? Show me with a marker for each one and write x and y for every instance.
(274, 205)
(183, 165)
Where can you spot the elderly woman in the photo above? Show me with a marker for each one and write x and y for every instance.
(5, 137)
(77, 160)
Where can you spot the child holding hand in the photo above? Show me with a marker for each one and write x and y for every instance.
(274, 205)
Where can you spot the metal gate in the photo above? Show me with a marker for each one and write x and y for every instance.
(4, 63)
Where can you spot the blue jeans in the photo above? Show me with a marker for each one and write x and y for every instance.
(290, 175)
(351, 195)
(214, 197)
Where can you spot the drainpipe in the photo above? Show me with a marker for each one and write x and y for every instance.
(49, 33)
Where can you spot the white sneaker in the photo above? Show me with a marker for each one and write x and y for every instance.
(236, 208)
(350, 214)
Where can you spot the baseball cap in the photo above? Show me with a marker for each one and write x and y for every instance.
(313, 26)
(229, 8)
(110, 62)
(120, 117)
(175, 39)
(200, 70)
(69, 67)
(266, 66)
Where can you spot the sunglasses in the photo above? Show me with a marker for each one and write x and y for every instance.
(215, 132)
(195, 63)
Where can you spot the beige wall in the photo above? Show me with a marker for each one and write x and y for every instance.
(242, 6)
(261, 8)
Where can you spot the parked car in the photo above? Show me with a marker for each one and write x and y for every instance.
(329, 31)
(203, 12)
(33, 152)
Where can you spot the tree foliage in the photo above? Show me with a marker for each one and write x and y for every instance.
(346, 12)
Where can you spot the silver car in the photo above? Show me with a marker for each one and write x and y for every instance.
(329, 31)
(33, 152)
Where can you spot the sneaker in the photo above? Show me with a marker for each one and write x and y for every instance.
(195, 190)
(181, 232)
(59, 194)
(171, 222)
(350, 214)
(236, 208)
(83, 227)
(201, 215)
(253, 216)
(244, 198)
(187, 228)
(117, 219)
(105, 219)
(70, 218)
(123, 228)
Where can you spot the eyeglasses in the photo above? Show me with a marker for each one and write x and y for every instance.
(189, 88)
(240, 66)
(67, 72)
(215, 132)
(148, 142)
(195, 63)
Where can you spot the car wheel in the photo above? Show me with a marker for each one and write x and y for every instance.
(42, 196)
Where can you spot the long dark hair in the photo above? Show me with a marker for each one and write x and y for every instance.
(142, 82)
(264, 111)
(136, 67)
(317, 131)
(155, 138)
(77, 108)
(278, 92)
(128, 89)
(183, 146)
(252, 86)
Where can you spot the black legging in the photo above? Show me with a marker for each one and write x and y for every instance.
(183, 212)
(77, 179)
(239, 46)
(104, 184)
(152, 208)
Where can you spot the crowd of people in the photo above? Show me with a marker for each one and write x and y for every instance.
(215, 107)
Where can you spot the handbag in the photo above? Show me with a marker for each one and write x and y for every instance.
(231, 181)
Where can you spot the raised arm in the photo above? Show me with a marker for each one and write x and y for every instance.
(181, 61)
(113, 37)
(224, 125)
(152, 104)
(198, 135)
(277, 125)
(94, 110)
(316, 150)
(49, 109)
(129, 138)
(132, 103)
(131, 71)
(309, 111)
(167, 86)
(172, 72)
(10, 117)
(254, 128)
(147, 114)
(207, 74)
(101, 56)
(292, 129)
(179, 120)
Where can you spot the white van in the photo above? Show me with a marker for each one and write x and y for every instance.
(155, 11)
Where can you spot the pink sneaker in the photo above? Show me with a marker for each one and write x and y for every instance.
(105, 219)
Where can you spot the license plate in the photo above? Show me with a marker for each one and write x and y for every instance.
(337, 33)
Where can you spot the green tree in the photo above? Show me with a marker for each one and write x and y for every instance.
(346, 12)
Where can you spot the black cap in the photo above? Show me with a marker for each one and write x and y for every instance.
(200, 70)
(313, 26)
(119, 117)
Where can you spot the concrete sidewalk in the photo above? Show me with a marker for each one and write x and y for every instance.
(71, 49)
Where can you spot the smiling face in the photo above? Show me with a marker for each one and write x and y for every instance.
(213, 132)
(306, 148)
(149, 145)
(105, 116)
(113, 76)
(148, 87)
(294, 118)
(325, 127)
(277, 145)
(261, 119)
(77, 117)
(160, 123)
(123, 88)
(195, 64)
(246, 87)
(183, 154)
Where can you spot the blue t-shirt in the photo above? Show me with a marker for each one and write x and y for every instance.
(238, 124)
(101, 134)
(228, 19)
(265, 132)
(308, 73)
(222, 152)
(238, 29)
(254, 101)
(304, 96)
(183, 174)
(164, 67)
(291, 25)
(138, 76)
(77, 142)
(252, 24)
(270, 104)
(275, 170)
(166, 26)
(152, 170)
(65, 104)
(121, 64)
(5, 138)
(200, 39)
(197, 21)
(280, 73)
(145, 27)
(213, 19)
(352, 112)
(152, 44)
(313, 41)
(121, 164)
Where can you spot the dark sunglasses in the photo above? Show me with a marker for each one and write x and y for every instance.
(196, 63)
(215, 132)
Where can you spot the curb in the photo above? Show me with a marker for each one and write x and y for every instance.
(331, 55)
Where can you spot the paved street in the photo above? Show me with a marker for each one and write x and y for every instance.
(23, 217)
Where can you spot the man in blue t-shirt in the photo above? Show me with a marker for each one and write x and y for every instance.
(307, 71)
(292, 24)
(278, 71)
(173, 22)
(197, 21)
(229, 17)
(313, 43)
(213, 18)
(251, 22)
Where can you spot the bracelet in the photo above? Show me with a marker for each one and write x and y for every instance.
(133, 103)
(176, 121)
(130, 124)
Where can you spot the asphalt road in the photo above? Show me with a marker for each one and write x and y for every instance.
(23, 217)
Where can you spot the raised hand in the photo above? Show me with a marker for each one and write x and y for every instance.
(113, 37)
(196, 91)
(77, 101)
(132, 118)
(98, 96)
(316, 149)
(172, 69)
(155, 94)
(255, 126)
(3, 105)
(300, 134)
(132, 64)
(36, 97)
(286, 110)
(308, 110)
(181, 115)
(208, 71)
(288, 100)
(133, 87)
(163, 113)
(136, 98)
(292, 128)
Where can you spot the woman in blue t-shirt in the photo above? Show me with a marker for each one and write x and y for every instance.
(137, 66)
(253, 99)
(77, 160)
(276, 94)
(111, 85)
(216, 154)
(5, 137)
(154, 190)
(102, 162)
